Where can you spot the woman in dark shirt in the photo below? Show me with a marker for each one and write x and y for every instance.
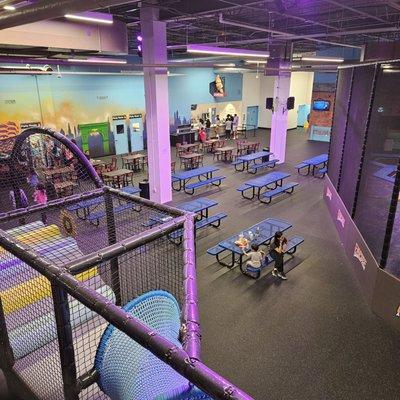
(277, 250)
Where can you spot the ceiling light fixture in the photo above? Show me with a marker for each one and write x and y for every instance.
(9, 8)
(95, 17)
(322, 59)
(225, 65)
(97, 60)
(201, 49)
(256, 62)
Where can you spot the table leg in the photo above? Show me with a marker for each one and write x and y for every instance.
(231, 264)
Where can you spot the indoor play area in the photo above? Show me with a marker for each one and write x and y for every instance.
(98, 311)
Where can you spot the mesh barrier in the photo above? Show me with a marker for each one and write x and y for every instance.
(71, 261)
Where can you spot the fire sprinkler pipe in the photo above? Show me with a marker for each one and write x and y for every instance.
(43, 10)
(283, 35)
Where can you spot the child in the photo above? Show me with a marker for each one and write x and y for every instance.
(40, 197)
(255, 255)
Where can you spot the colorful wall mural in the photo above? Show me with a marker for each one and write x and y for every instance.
(71, 103)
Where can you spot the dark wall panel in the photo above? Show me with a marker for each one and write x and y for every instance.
(343, 90)
(355, 134)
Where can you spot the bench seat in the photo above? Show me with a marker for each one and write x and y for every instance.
(243, 187)
(214, 220)
(266, 164)
(300, 166)
(130, 190)
(286, 188)
(237, 162)
(189, 189)
(98, 215)
(322, 172)
(214, 251)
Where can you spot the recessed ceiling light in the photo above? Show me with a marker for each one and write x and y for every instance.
(256, 61)
(9, 8)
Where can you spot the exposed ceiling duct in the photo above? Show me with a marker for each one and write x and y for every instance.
(43, 10)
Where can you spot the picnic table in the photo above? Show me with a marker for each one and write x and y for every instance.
(311, 164)
(184, 177)
(199, 206)
(133, 161)
(225, 152)
(256, 185)
(189, 146)
(97, 163)
(263, 232)
(118, 177)
(245, 161)
(188, 160)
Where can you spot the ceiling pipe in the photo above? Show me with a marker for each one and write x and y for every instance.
(43, 10)
(283, 35)
(359, 12)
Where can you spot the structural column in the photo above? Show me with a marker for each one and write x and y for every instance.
(154, 51)
(279, 120)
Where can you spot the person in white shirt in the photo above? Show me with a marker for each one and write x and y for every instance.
(228, 126)
(255, 255)
(235, 125)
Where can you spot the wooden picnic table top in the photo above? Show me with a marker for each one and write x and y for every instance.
(226, 148)
(61, 170)
(63, 185)
(189, 156)
(136, 156)
(117, 172)
(189, 145)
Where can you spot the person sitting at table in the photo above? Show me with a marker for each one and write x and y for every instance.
(255, 255)
(277, 251)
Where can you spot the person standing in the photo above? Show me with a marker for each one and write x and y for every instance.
(40, 197)
(228, 127)
(277, 251)
(235, 125)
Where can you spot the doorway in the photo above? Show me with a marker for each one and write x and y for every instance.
(252, 117)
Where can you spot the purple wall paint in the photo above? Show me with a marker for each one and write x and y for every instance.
(381, 290)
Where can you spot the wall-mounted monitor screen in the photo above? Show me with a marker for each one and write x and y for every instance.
(321, 105)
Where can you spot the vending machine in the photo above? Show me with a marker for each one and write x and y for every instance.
(136, 128)
(120, 130)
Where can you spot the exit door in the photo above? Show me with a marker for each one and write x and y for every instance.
(252, 117)
(136, 127)
(120, 136)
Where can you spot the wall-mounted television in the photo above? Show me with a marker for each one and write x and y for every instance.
(321, 105)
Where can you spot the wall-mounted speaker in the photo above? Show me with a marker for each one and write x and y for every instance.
(290, 103)
(269, 103)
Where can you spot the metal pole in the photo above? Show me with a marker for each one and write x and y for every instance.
(112, 239)
(65, 341)
(6, 353)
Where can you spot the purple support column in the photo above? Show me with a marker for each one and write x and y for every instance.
(280, 115)
(157, 109)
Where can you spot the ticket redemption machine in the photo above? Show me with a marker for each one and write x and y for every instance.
(136, 128)
(120, 129)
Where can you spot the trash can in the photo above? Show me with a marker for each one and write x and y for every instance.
(265, 158)
(144, 187)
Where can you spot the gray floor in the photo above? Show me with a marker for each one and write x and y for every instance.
(312, 337)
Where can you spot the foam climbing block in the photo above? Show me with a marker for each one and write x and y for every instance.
(36, 237)
(64, 248)
(42, 330)
(33, 290)
(25, 228)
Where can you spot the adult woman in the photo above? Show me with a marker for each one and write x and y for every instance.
(277, 250)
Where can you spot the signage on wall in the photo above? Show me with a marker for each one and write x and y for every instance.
(27, 125)
(217, 87)
(360, 256)
(118, 117)
(328, 193)
(133, 116)
(340, 218)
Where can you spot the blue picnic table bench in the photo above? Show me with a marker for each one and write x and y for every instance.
(263, 233)
(317, 164)
(203, 174)
(274, 179)
(249, 162)
(200, 207)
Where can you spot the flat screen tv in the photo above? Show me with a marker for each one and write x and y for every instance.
(321, 105)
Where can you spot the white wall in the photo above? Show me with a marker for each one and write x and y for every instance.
(256, 90)
(301, 85)
(266, 90)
